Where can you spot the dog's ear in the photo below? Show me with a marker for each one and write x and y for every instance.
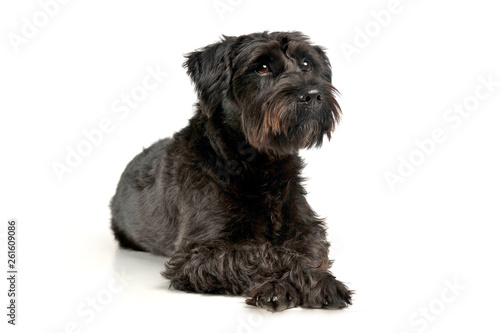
(327, 68)
(210, 71)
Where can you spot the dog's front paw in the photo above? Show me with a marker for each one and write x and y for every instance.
(328, 293)
(274, 296)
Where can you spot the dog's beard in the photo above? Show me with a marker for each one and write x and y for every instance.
(281, 125)
(309, 132)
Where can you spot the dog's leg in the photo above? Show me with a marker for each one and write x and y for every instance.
(226, 268)
(307, 272)
(276, 278)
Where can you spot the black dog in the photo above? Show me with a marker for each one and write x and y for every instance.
(223, 198)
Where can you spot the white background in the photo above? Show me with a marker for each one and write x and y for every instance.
(399, 249)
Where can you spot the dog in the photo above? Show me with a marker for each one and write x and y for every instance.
(223, 198)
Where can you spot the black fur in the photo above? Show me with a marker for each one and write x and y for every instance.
(224, 197)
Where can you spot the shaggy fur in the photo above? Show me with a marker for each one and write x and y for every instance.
(223, 198)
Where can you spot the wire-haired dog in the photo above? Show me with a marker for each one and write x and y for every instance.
(224, 197)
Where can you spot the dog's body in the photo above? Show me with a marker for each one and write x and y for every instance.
(223, 198)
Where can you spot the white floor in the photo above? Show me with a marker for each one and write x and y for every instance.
(73, 279)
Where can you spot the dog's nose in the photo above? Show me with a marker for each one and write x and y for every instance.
(311, 96)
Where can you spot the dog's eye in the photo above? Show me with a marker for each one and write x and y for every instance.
(263, 69)
(306, 66)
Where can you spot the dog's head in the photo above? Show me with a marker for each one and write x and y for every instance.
(273, 87)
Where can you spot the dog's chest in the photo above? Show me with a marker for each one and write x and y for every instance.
(264, 204)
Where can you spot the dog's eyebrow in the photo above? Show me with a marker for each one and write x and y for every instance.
(300, 49)
(268, 50)
(284, 43)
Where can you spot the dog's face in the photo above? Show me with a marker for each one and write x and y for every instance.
(273, 87)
